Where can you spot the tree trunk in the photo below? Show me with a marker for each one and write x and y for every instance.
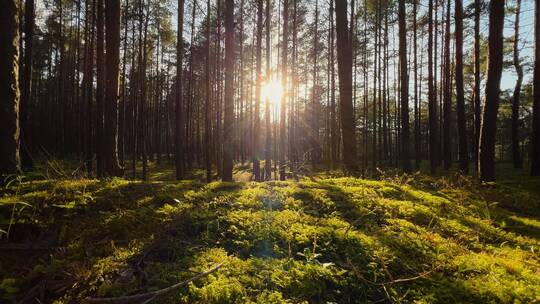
(516, 153)
(111, 166)
(417, 138)
(477, 84)
(432, 101)
(447, 101)
(29, 21)
(207, 106)
(486, 165)
(9, 86)
(345, 87)
(283, 109)
(268, 140)
(100, 87)
(256, 122)
(179, 130)
(229, 92)
(535, 156)
(462, 126)
(404, 78)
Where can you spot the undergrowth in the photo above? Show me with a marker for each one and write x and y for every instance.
(413, 239)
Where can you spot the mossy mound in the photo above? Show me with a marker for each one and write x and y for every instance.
(320, 240)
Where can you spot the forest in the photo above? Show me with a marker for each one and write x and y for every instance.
(269, 151)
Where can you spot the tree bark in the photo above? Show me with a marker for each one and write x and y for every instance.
(283, 106)
(29, 22)
(447, 101)
(345, 87)
(477, 84)
(268, 139)
(179, 128)
(111, 166)
(228, 120)
(516, 149)
(9, 88)
(432, 102)
(100, 86)
(404, 78)
(208, 107)
(535, 156)
(486, 165)
(460, 99)
(256, 122)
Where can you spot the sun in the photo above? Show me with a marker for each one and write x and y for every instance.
(272, 91)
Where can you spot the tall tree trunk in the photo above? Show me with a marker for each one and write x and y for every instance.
(447, 101)
(88, 81)
(9, 86)
(207, 106)
(477, 84)
(417, 135)
(268, 139)
(228, 121)
(334, 137)
(314, 117)
(535, 156)
(462, 126)
(179, 129)
(486, 164)
(29, 21)
(111, 166)
(100, 87)
(345, 87)
(432, 101)
(404, 78)
(256, 122)
(283, 110)
(516, 150)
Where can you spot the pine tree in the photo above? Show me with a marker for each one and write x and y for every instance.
(486, 164)
(9, 88)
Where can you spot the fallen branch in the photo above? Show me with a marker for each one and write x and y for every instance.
(151, 295)
(359, 275)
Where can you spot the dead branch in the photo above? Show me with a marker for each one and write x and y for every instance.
(151, 295)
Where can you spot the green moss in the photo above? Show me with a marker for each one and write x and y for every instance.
(322, 240)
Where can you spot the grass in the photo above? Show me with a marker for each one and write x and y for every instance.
(415, 239)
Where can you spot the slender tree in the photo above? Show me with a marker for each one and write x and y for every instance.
(9, 88)
(100, 85)
(404, 79)
(179, 128)
(447, 102)
(29, 22)
(535, 153)
(283, 110)
(477, 84)
(111, 165)
(516, 153)
(417, 135)
(256, 122)
(208, 106)
(432, 102)
(268, 137)
(229, 92)
(486, 163)
(345, 86)
(460, 99)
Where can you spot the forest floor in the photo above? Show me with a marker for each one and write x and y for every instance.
(323, 239)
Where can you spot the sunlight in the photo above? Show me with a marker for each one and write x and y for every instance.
(272, 92)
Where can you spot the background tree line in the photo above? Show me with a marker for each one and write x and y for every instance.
(366, 85)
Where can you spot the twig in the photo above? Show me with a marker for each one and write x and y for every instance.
(151, 295)
(393, 281)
